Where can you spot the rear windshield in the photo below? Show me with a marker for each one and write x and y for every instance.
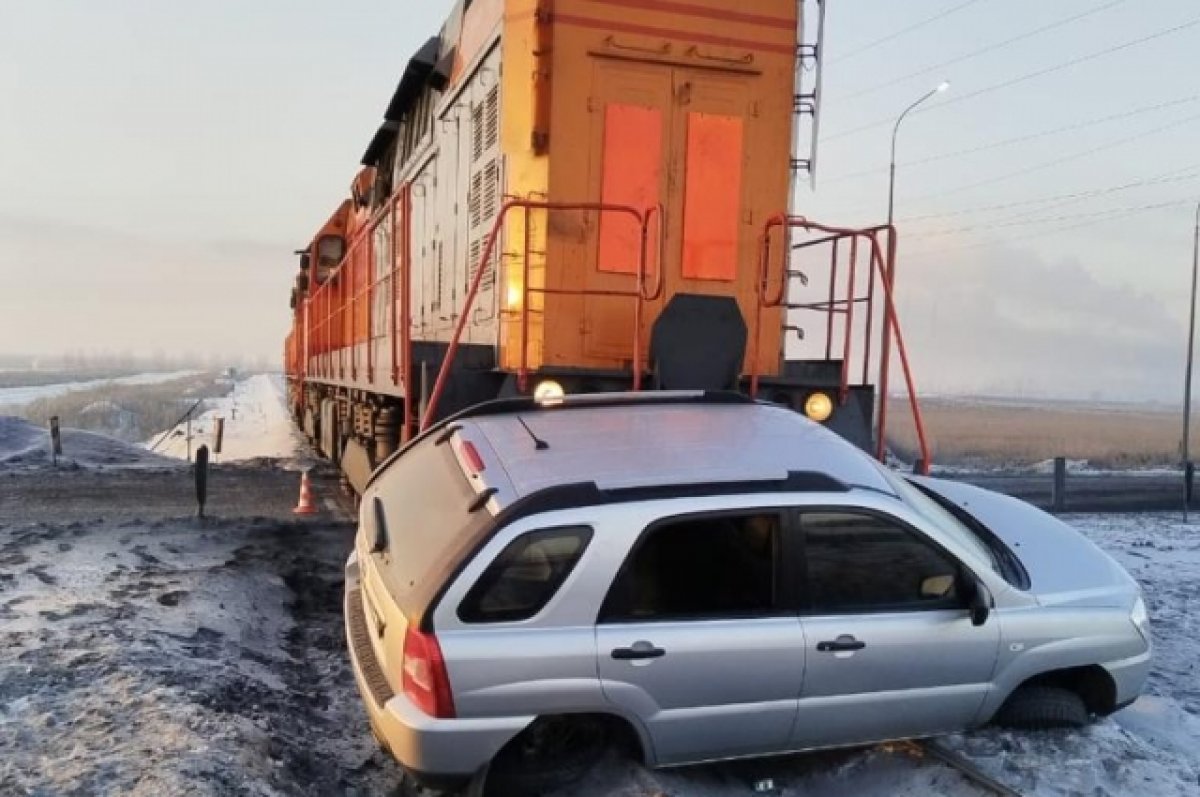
(429, 524)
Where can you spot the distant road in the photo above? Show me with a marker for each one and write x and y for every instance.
(1090, 492)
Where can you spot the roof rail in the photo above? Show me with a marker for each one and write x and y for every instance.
(519, 404)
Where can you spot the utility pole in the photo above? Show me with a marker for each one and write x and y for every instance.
(1187, 379)
(889, 278)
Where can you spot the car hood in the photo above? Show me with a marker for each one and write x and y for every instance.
(1063, 565)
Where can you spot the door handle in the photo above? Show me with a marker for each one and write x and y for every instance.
(639, 650)
(842, 643)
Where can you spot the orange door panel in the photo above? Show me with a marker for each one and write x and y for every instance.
(712, 197)
(631, 158)
(710, 233)
(630, 130)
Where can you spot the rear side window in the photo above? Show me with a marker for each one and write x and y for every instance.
(705, 567)
(863, 563)
(430, 527)
(526, 574)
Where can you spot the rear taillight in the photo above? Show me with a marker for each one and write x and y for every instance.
(424, 680)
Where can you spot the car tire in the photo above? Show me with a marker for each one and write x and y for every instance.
(1043, 708)
(551, 754)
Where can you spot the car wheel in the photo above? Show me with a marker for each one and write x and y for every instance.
(550, 754)
(1043, 707)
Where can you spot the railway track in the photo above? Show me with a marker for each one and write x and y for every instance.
(931, 749)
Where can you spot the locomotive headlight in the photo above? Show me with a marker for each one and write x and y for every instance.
(818, 407)
(548, 390)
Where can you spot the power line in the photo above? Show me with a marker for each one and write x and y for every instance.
(903, 31)
(1058, 200)
(1059, 161)
(1024, 78)
(985, 50)
(1044, 233)
(1020, 139)
(1052, 219)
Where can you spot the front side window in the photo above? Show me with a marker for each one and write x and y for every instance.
(864, 563)
(703, 567)
(525, 576)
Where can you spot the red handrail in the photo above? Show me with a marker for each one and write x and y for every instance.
(638, 294)
(881, 267)
(405, 314)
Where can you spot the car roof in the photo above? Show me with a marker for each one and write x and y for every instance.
(659, 443)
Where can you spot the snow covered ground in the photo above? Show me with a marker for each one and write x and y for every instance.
(257, 425)
(13, 397)
(26, 445)
(143, 652)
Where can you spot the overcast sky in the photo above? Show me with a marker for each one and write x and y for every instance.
(160, 161)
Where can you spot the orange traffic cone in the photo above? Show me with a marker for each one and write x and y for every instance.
(306, 505)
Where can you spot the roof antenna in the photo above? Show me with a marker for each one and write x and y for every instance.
(538, 443)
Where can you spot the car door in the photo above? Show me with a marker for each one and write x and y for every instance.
(892, 651)
(698, 637)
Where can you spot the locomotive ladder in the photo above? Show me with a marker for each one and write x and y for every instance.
(806, 102)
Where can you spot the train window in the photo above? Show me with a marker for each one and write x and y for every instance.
(632, 175)
(712, 197)
(330, 251)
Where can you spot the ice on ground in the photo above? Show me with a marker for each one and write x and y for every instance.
(149, 655)
(257, 425)
(26, 445)
(13, 397)
(178, 657)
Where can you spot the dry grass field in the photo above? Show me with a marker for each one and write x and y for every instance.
(997, 433)
(129, 412)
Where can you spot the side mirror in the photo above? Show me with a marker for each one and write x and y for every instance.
(980, 604)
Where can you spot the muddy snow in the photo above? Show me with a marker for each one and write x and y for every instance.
(145, 652)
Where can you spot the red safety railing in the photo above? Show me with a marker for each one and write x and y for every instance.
(342, 308)
(638, 293)
(880, 269)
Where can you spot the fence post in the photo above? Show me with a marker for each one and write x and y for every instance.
(220, 435)
(1059, 493)
(201, 476)
(55, 440)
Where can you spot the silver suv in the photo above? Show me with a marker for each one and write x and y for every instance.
(698, 577)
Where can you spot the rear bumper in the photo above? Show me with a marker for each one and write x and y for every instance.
(435, 751)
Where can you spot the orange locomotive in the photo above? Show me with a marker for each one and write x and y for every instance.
(583, 195)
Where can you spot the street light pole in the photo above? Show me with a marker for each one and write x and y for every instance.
(885, 347)
(1187, 379)
(895, 132)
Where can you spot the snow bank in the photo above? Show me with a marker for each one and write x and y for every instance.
(12, 397)
(257, 425)
(26, 445)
